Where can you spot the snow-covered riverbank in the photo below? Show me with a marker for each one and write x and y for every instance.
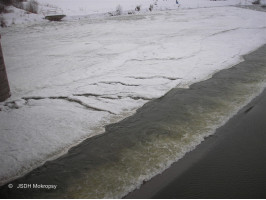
(70, 79)
(99, 9)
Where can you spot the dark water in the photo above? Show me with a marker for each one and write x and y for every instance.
(161, 132)
(230, 165)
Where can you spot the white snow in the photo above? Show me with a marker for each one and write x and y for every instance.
(70, 79)
(97, 8)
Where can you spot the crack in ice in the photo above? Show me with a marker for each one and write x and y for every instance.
(154, 77)
(13, 104)
(118, 82)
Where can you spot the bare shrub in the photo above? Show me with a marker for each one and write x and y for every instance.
(137, 8)
(131, 12)
(111, 14)
(151, 7)
(256, 2)
(18, 3)
(6, 2)
(32, 6)
(5, 9)
(119, 10)
(2, 9)
(3, 22)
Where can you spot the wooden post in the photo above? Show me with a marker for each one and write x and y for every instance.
(4, 85)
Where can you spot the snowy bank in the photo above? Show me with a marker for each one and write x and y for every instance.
(70, 79)
(96, 8)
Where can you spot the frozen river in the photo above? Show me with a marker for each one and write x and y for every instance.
(70, 79)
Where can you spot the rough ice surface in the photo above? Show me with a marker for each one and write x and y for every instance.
(70, 79)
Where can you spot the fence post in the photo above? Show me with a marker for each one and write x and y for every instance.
(4, 85)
